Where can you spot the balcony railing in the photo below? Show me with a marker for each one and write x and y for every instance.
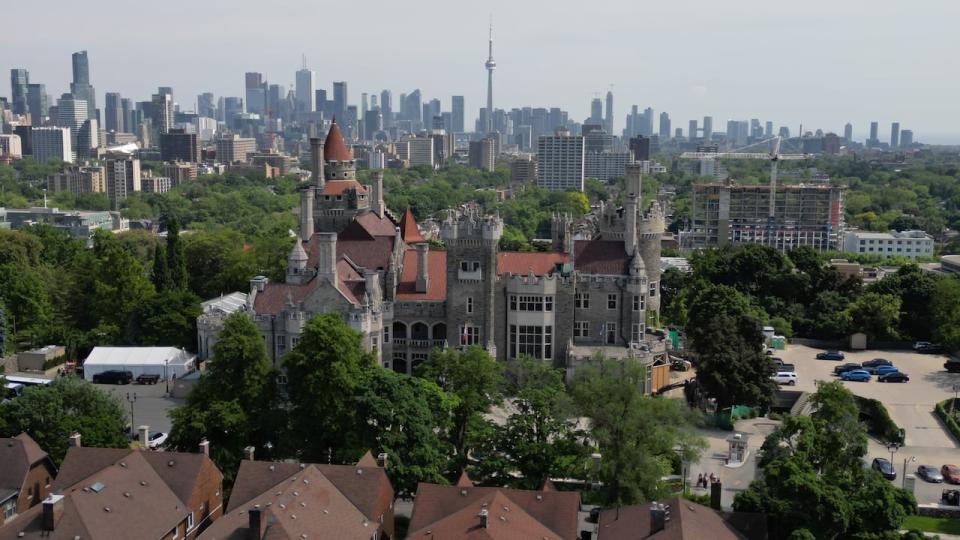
(421, 343)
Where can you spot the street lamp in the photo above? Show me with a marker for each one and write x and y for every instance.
(893, 447)
(131, 399)
(166, 376)
(903, 482)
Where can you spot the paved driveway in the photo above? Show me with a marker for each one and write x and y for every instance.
(151, 406)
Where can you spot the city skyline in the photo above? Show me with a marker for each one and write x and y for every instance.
(539, 66)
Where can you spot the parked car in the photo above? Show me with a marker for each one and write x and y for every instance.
(881, 370)
(951, 474)
(885, 468)
(953, 366)
(843, 368)
(113, 376)
(830, 355)
(156, 439)
(877, 362)
(857, 375)
(148, 379)
(785, 377)
(950, 497)
(930, 474)
(928, 348)
(921, 344)
(893, 376)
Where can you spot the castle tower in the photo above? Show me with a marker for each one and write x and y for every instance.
(339, 197)
(561, 232)
(338, 160)
(472, 244)
(631, 207)
(651, 232)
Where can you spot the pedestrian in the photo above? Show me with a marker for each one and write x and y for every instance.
(713, 478)
(700, 480)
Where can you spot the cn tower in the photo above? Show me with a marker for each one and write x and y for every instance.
(491, 65)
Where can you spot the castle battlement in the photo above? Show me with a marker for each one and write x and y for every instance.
(470, 225)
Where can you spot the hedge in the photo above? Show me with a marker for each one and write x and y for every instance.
(54, 362)
(950, 420)
(879, 423)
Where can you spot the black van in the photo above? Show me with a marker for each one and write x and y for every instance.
(953, 366)
(114, 376)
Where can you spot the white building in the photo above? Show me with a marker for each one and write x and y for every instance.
(910, 244)
(51, 143)
(10, 147)
(211, 320)
(560, 161)
(167, 362)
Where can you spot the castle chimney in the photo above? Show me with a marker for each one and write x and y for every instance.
(205, 447)
(483, 518)
(423, 276)
(716, 492)
(248, 453)
(144, 436)
(376, 195)
(372, 284)
(52, 510)
(306, 213)
(75, 440)
(257, 523)
(327, 243)
(658, 518)
(382, 460)
(316, 162)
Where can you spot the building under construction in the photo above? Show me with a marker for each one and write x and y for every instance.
(802, 215)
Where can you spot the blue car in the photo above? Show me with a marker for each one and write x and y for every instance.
(882, 370)
(859, 375)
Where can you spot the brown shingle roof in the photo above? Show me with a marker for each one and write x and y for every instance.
(518, 262)
(556, 511)
(17, 454)
(506, 520)
(334, 148)
(688, 521)
(376, 225)
(30, 447)
(274, 296)
(437, 277)
(408, 228)
(605, 257)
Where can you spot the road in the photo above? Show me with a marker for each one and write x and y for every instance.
(151, 407)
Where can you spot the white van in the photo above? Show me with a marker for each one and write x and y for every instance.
(785, 377)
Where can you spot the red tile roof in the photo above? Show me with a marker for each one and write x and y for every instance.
(408, 228)
(437, 277)
(606, 257)
(274, 296)
(376, 225)
(517, 262)
(339, 187)
(452, 512)
(334, 148)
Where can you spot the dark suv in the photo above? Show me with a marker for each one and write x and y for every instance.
(113, 376)
(884, 467)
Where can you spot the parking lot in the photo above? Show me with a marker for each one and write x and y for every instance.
(910, 405)
(151, 405)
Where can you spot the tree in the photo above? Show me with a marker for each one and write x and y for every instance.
(233, 404)
(638, 436)
(471, 376)
(876, 315)
(946, 325)
(916, 289)
(814, 484)
(51, 413)
(217, 263)
(324, 369)
(160, 276)
(725, 332)
(168, 318)
(176, 260)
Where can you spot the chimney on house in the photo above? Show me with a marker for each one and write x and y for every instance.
(257, 524)
(205, 447)
(371, 280)
(144, 436)
(248, 453)
(327, 243)
(52, 510)
(376, 192)
(423, 276)
(658, 518)
(483, 518)
(716, 491)
(306, 213)
(316, 162)
(382, 460)
(75, 440)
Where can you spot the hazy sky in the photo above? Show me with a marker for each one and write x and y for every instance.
(817, 62)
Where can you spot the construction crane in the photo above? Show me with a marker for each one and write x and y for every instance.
(774, 157)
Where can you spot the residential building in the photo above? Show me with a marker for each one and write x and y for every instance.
(906, 138)
(679, 519)
(420, 152)
(10, 147)
(274, 500)
(606, 165)
(468, 511)
(909, 244)
(28, 473)
(78, 180)
(88, 139)
(123, 177)
(50, 143)
(848, 133)
(482, 154)
(180, 172)
(665, 126)
(804, 215)
(232, 148)
(283, 163)
(178, 145)
(155, 184)
(523, 170)
(560, 161)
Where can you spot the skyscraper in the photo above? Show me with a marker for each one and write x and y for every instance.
(490, 65)
(71, 113)
(340, 98)
(51, 143)
(126, 106)
(386, 108)
(707, 128)
(364, 105)
(768, 129)
(906, 138)
(596, 112)
(664, 126)
(848, 132)
(113, 113)
(457, 107)
(80, 87)
(874, 134)
(38, 102)
(206, 106)
(19, 79)
(411, 107)
(256, 92)
(608, 118)
(162, 112)
(692, 130)
(894, 134)
(305, 90)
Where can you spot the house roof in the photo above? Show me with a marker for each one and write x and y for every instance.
(369, 490)
(305, 505)
(130, 501)
(17, 455)
(688, 521)
(408, 228)
(334, 148)
(605, 257)
(275, 295)
(339, 187)
(437, 277)
(551, 514)
(375, 225)
(540, 263)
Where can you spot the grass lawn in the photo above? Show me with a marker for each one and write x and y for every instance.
(932, 524)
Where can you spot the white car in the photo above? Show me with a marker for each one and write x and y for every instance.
(785, 377)
(156, 439)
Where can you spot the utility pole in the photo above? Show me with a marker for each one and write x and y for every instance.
(131, 399)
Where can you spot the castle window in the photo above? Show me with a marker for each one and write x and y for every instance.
(581, 300)
(653, 288)
(469, 304)
(469, 335)
(293, 342)
(531, 303)
(611, 333)
(581, 329)
(339, 197)
(638, 302)
(386, 334)
(636, 333)
(281, 345)
(535, 341)
(611, 301)
(548, 303)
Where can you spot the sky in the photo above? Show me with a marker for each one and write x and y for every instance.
(819, 63)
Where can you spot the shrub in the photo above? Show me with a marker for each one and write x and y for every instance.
(950, 420)
(879, 423)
